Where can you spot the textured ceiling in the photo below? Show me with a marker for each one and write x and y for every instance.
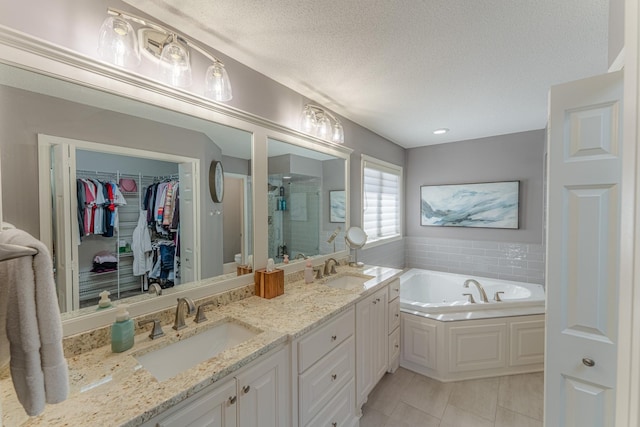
(403, 68)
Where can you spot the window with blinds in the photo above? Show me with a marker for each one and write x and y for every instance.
(381, 199)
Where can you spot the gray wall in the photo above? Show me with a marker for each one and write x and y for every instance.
(616, 29)
(24, 114)
(518, 156)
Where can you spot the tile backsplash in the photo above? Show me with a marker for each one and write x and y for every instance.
(387, 255)
(522, 262)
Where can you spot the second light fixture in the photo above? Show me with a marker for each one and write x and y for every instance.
(321, 123)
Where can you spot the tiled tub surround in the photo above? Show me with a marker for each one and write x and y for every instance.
(520, 262)
(108, 388)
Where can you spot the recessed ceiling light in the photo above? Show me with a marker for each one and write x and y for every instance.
(440, 131)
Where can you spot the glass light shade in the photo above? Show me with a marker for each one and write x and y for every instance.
(175, 64)
(308, 121)
(217, 85)
(117, 43)
(337, 135)
(324, 128)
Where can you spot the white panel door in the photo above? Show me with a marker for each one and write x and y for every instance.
(189, 240)
(583, 235)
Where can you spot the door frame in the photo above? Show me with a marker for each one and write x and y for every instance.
(45, 142)
(628, 397)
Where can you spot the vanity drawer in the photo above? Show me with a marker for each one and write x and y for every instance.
(322, 381)
(339, 412)
(320, 342)
(394, 289)
(394, 315)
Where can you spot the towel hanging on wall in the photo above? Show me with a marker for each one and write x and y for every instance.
(33, 326)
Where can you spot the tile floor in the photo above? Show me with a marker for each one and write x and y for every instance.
(407, 399)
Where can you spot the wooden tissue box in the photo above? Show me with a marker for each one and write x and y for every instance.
(269, 284)
(243, 269)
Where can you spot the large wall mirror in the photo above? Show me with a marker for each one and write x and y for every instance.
(103, 160)
(307, 206)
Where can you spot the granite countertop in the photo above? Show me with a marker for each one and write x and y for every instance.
(114, 389)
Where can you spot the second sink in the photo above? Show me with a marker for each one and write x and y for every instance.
(168, 361)
(348, 281)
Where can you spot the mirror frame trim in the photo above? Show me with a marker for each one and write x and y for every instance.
(30, 53)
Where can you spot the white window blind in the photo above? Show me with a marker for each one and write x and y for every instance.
(381, 199)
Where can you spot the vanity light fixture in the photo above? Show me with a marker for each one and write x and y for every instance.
(119, 44)
(440, 131)
(317, 121)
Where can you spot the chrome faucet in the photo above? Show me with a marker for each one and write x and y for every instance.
(180, 315)
(328, 263)
(300, 256)
(483, 294)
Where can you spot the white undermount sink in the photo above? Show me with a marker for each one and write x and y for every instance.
(348, 281)
(168, 361)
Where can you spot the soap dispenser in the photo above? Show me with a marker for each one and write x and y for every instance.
(308, 272)
(104, 302)
(122, 331)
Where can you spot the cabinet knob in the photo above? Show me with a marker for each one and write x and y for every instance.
(397, 315)
(334, 424)
(246, 389)
(334, 337)
(374, 301)
(378, 299)
(333, 377)
(232, 400)
(397, 346)
(588, 362)
(396, 289)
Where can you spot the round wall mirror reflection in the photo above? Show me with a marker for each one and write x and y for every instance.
(356, 238)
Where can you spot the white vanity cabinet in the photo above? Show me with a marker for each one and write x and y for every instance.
(371, 342)
(257, 396)
(263, 393)
(326, 374)
(214, 408)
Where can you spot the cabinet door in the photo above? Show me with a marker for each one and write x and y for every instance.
(380, 335)
(364, 356)
(264, 393)
(214, 409)
(371, 343)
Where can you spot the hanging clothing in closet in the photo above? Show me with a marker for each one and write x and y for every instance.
(162, 206)
(162, 203)
(97, 206)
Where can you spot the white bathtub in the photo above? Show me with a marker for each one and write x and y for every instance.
(446, 337)
(439, 295)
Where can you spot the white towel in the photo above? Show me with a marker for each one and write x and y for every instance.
(33, 326)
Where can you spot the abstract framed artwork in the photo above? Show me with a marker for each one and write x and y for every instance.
(483, 205)
(337, 208)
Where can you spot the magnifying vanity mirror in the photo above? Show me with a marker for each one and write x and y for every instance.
(356, 239)
(300, 212)
(83, 140)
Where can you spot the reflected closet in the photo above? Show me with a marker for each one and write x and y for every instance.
(101, 202)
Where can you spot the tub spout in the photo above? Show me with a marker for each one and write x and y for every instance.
(483, 294)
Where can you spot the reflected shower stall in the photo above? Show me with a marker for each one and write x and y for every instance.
(294, 215)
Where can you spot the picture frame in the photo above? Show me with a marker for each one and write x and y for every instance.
(478, 205)
(337, 206)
